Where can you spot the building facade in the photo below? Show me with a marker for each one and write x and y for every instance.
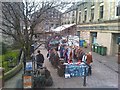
(69, 16)
(52, 19)
(98, 22)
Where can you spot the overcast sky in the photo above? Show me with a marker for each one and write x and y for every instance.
(69, 5)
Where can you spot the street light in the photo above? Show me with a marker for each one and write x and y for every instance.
(78, 32)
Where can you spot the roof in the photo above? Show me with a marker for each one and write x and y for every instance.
(60, 28)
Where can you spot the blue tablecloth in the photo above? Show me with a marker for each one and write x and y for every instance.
(75, 70)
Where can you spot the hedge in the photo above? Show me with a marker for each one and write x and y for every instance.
(13, 71)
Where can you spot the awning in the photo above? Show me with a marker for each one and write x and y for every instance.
(63, 27)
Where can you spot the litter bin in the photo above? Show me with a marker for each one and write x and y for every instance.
(96, 48)
(85, 44)
(99, 49)
(81, 42)
(27, 81)
(103, 51)
(93, 47)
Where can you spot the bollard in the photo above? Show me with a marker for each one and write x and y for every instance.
(84, 83)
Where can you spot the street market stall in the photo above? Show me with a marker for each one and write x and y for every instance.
(69, 70)
(75, 70)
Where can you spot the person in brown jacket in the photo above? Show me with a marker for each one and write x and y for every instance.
(89, 58)
(71, 54)
(89, 61)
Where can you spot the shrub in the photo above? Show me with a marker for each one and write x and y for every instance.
(13, 55)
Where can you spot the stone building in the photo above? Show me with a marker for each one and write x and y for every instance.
(69, 16)
(52, 19)
(98, 22)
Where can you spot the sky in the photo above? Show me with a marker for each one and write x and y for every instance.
(64, 9)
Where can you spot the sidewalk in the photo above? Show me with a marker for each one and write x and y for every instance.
(108, 61)
(103, 76)
(16, 81)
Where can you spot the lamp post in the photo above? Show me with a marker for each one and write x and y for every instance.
(68, 34)
(78, 32)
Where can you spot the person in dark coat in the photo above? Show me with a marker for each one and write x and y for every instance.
(55, 58)
(61, 51)
(66, 55)
(39, 59)
(51, 54)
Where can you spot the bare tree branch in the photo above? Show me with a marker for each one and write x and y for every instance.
(4, 24)
(7, 11)
(23, 17)
(6, 18)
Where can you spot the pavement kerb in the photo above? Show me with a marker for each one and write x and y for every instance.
(12, 72)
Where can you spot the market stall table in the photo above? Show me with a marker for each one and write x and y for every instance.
(75, 70)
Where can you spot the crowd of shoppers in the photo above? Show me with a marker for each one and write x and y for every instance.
(70, 54)
(74, 53)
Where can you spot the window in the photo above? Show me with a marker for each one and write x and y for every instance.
(79, 16)
(58, 16)
(73, 14)
(68, 22)
(57, 25)
(101, 12)
(118, 11)
(85, 18)
(52, 25)
(92, 13)
(73, 21)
